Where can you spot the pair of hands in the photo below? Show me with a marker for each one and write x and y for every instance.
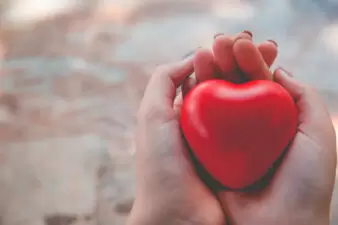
(168, 189)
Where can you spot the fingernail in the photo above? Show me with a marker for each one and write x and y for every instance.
(284, 72)
(243, 35)
(217, 35)
(248, 32)
(273, 42)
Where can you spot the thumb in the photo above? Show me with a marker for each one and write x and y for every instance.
(160, 152)
(313, 113)
(308, 169)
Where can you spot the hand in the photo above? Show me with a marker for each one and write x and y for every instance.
(168, 190)
(301, 190)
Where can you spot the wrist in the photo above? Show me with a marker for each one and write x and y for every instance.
(150, 214)
(160, 214)
(156, 219)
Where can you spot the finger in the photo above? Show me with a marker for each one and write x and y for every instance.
(178, 103)
(314, 145)
(205, 67)
(243, 35)
(269, 51)
(157, 122)
(224, 57)
(250, 60)
(188, 84)
(167, 78)
(159, 95)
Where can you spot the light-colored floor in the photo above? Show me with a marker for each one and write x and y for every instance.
(72, 84)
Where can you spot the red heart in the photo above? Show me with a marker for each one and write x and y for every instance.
(238, 131)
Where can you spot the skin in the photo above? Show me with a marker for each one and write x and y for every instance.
(168, 189)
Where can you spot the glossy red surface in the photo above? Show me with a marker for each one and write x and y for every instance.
(237, 132)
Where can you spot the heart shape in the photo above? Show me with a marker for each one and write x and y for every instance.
(238, 131)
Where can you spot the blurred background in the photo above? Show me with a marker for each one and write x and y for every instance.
(73, 73)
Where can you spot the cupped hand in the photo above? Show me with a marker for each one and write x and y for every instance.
(301, 190)
(168, 189)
